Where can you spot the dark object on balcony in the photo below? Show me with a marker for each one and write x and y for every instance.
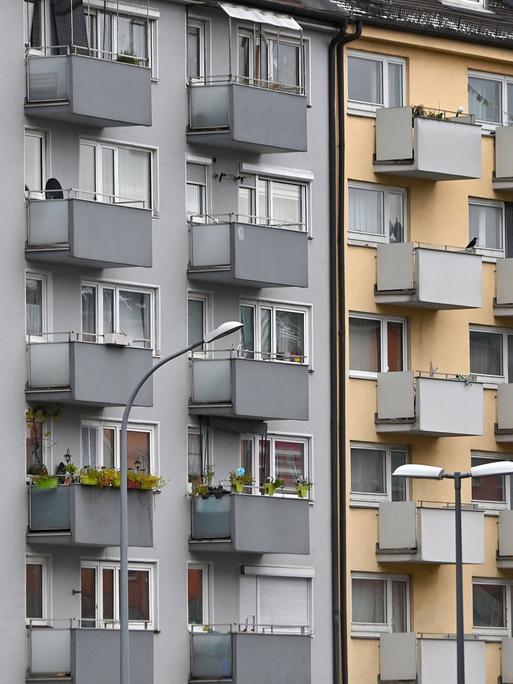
(472, 243)
(70, 30)
(53, 189)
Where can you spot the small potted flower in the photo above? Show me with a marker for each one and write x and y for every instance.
(240, 479)
(44, 481)
(151, 482)
(109, 477)
(303, 486)
(89, 477)
(134, 479)
(272, 484)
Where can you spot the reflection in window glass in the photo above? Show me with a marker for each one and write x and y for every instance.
(109, 436)
(88, 597)
(195, 320)
(34, 590)
(195, 596)
(34, 161)
(484, 99)
(364, 345)
(491, 488)
(89, 313)
(485, 353)
(139, 595)
(132, 40)
(489, 605)
(138, 450)
(195, 466)
(395, 85)
(290, 327)
(108, 593)
(365, 80)
(34, 306)
(285, 63)
(193, 52)
(395, 346)
(369, 601)
(368, 471)
(289, 462)
(134, 316)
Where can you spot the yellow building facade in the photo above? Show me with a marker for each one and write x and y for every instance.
(398, 591)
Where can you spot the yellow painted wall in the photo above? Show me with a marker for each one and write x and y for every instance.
(437, 214)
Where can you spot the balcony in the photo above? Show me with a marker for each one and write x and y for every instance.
(406, 657)
(238, 115)
(77, 372)
(503, 175)
(427, 277)
(433, 405)
(88, 91)
(94, 234)
(86, 656)
(503, 303)
(250, 658)
(80, 515)
(234, 252)
(420, 533)
(242, 523)
(420, 147)
(505, 540)
(504, 425)
(507, 661)
(249, 388)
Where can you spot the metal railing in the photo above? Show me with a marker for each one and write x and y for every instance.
(435, 374)
(74, 336)
(252, 627)
(95, 53)
(240, 353)
(253, 219)
(87, 195)
(230, 79)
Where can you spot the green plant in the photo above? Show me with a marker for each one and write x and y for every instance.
(419, 111)
(272, 484)
(240, 479)
(42, 480)
(200, 484)
(152, 482)
(89, 476)
(129, 57)
(303, 486)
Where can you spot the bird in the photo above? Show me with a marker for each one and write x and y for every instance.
(472, 243)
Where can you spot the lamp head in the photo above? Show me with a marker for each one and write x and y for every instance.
(224, 329)
(419, 471)
(493, 468)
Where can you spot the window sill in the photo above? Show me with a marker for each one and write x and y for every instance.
(374, 505)
(367, 113)
(491, 638)
(364, 242)
(355, 375)
(368, 635)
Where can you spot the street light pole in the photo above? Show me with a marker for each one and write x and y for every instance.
(124, 663)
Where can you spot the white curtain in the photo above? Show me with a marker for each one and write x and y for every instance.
(369, 601)
(134, 176)
(134, 316)
(365, 80)
(484, 98)
(364, 345)
(368, 471)
(366, 211)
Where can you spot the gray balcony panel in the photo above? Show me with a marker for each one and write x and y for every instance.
(505, 534)
(507, 661)
(397, 657)
(87, 373)
(211, 656)
(503, 176)
(250, 524)
(246, 388)
(49, 651)
(81, 515)
(504, 427)
(93, 92)
(433, 406)
(503, 304)
(431, 149)
(249, 255)
(91, 234)
(422, 534)
(248, 118)
(430, 278)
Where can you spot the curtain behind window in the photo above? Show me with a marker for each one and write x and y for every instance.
(290, 334)
(365, 80)
(134, 316)
(484, 99)
(368, 471)
(366, 211)
(364, 345)
(34, 306)
(134, 174)
(485, 353)
(369, 601)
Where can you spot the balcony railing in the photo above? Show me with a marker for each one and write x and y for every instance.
(249, 114)
(246, 523)
(74, 368)
(88, 229)
(84, 86)
(503, 303)
(249, 384)
(424, 533)
(503, 173)
(432, 404)
(248, 251)
(252, 654)
(411, 274)
(447, 148)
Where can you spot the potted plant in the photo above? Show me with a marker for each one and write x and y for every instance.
(134, 479)
(272, 484)
(44, 481)
(129, 57)
(109, 477)
(303, 487)
(151, 482)
(89, 477)
(240, 479)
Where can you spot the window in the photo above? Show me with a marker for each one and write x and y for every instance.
(377, 213)
(36, 308)
(273, 332)
(109, 308)
(99, 595)
(117, 173)
(37, 440)
(196, 191)
(197, 452)
(486, 223)
(263, 58)
(36, 580)
(490, 98)
(380, 603)
(100, 446)
(376, 345)
(490, 612)
(491, 354)
(37, 24)
(371, 473)
(196, 52)
(35, 163)
(375, 81)
(276, 456)
(198, 609)
(490, 492)
(196, 318)
(273, 202)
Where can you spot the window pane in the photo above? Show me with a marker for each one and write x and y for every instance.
(484, 99)
(87, 170)
(108, 447)
(485, 353)
(108, 310)
(138, 450)
(395, 346)
(398, 458)
(489, 605)
(89, 441)
(395, 85)
(34, 306)
(134, 316)
(138, 595)
(262, 199)
(510, 358)
(290, 335)
(35, 21)
(364, 345)
(246, 455)
(366, 211)
(399, 605)
(132, 37)
(265, 332)
(34, 162)
(194, 200)
(105, 34)
(491, 488)
(193, 52)
(34, 590)
(134, 176)
(287, 203)
(368, 471)
(195, 320)
(244, 56)
(88, 596)
(108, 189)
(195, 596)
(510, 103)
(264, 459)
(245, 204)
(396, 217)
(34, 445)
(285, 63)
(89, 313)
(485, 223)
(108, 594)
(247, 317)
(194, 456)
(365, 80)
(369, 601)
(289, 463)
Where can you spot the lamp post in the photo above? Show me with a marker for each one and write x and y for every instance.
(124, 671)
(415, 470)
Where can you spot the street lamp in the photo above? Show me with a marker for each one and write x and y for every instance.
(224, 329)
(416, 470)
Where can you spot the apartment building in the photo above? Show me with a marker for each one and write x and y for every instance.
(165, 169)
(428, 171)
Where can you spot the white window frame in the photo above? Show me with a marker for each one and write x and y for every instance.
(207, 455)
(206, 188)
(493, 505)
(207, 583)
(42, 136)
(386, 190)
(375, 499)
(494, 632)
(99, 566)
(250, 182)
(473, 5)
(383, 320)
(205, 299)
(149, 428)
(44, 562)
(503, 80)
(368, 108)
(45, 31)
(373, 630)
(494, 380)
(46, 318)
(482, 202)
(203, 28)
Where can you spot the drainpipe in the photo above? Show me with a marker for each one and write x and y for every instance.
(338, 350)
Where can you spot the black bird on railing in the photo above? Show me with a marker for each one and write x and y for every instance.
(472, 243)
